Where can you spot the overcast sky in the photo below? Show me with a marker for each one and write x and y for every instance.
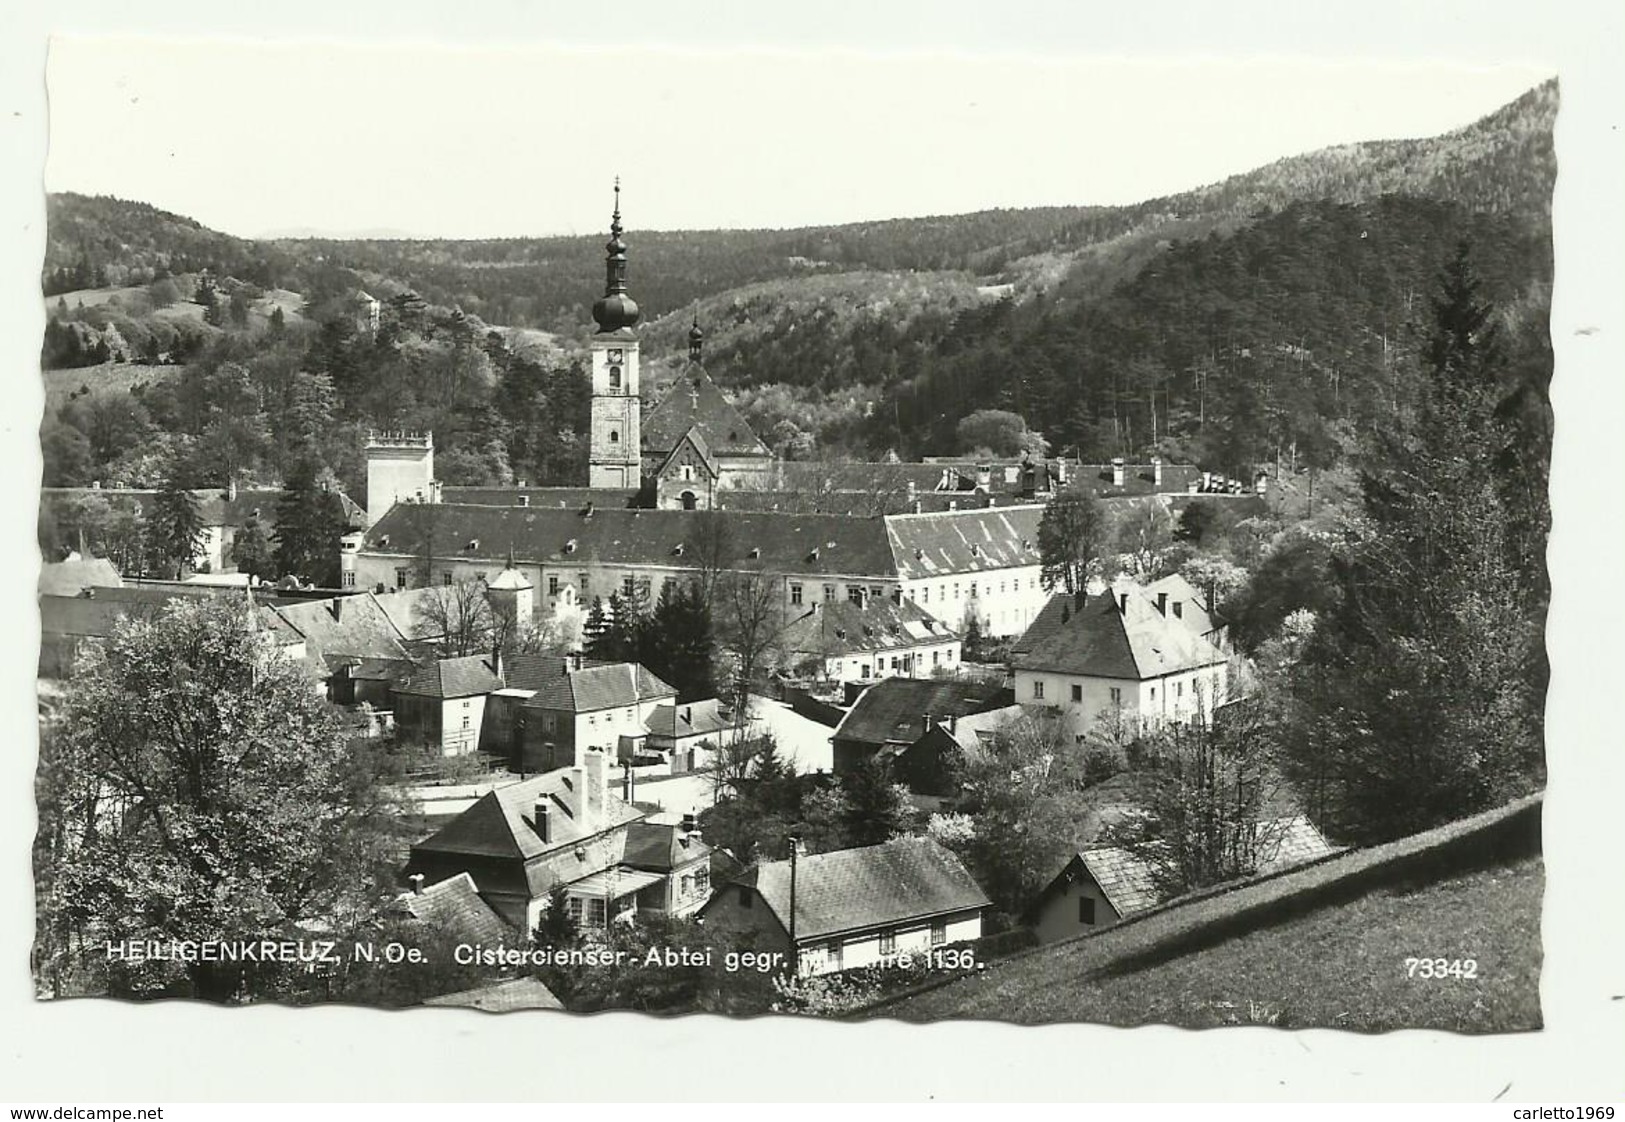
(490, 141)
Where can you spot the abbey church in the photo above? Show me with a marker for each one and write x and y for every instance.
(692, 444)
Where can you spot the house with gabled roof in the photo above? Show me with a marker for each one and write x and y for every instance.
(605, 705)
(851, 908)
(1178, 599)
(442, 702)
(687, 734)
(1120, 656)
(564, 830)
(842, 641)
(695, 410)
(1103, 885)
(895, 712)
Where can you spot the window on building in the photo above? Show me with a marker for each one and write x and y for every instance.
(445, 578)
(466, 720)
(855, 594)
(795, 593)
(553, 586)
(615, 379)
(627, 587)
(939, 934)
(1153, 693)
(1179, 690)
(349, 580)
(1038, 691)
(876, 592)
(573, 908)
(956, 590)
(702, 881)
(1117, 696)
(888, 942)
(829, 593)
(597, 911)
(643, 587)
(614, 436)
(973, 590)
(925, 594)
(1086, 910)
(401, 576)
(549, 722)
(1077, 692)
(936, 657)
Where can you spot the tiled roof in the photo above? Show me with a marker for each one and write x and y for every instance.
(856, 502)
(1134, 642)
(606, 686)
(501, 997)
(559, 498)
(661, 848)
(503, 822)
(468, 676)
(692, 718)
(694, 439)
(1057, 610)
(892, 710)
(693, 401)
(351, 626)
(1138, 479)
(1195, 613)
(69, 578)
(1127, 877)
(836, 475)
(455, 904)
(806, 543)
(882, 885)
(929, 545)
(96, 615)
(833, 628)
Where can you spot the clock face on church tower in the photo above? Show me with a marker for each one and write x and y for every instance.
(615, 356)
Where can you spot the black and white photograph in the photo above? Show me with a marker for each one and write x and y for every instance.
(799, 534)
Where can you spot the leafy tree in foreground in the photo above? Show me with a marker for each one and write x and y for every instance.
(251, 549)
(196, 789)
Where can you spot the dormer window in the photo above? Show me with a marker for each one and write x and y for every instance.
(383, 542)
(677, 550)
(570, 546)
(756, 552)
(473, 544)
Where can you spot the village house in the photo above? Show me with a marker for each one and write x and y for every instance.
(895, 712)
(565, 830)
(685, 735)
(442, 703)
(606, 706)
(852, 907)
(840, 641)
(676, 854)
(1103, 885)
(932, 768)
(353, 645)
(1120, 656)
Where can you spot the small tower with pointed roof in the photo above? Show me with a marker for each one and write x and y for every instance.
(613, 458)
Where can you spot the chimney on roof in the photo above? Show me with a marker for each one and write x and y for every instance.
(231, 489)
(1117, 471)
(587, 511)
(925, 722)
(1156, 470)
(953, 504)
(1060, 471)
(417, 883)
(916, 506)
(911, 488)
(1162, 603)
(544, 819)
(688, 714)
(524, 500)
(335, 608)
(1122, 603)
(984, 476)
(597, 778)
(953, 721)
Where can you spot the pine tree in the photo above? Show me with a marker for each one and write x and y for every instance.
(309, 524)
(1420, 694)
(594, 628)
(251, 549)
(174, 528)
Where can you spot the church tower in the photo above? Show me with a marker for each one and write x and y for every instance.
(614, 459)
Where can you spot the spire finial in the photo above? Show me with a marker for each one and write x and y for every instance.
(616, 310)
(696, 337)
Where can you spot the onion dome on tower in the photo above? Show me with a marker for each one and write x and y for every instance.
(696, 340)
(615, 310)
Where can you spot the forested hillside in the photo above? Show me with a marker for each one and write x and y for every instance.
(1268, 317)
